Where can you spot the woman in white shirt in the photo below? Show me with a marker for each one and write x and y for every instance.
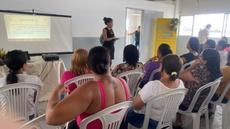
(170, 67)
(220, 47)
(16, 62)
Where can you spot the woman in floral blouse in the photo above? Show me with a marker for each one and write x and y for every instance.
(205, 69)
(131, 57)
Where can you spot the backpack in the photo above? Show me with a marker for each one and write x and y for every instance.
(101, 39)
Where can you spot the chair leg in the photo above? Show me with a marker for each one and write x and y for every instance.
(196, 121)
(225, 117)
(207, 119)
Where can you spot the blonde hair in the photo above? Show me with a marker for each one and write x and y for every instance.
(78, 62)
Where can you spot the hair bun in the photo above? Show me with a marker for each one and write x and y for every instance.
(102, 68)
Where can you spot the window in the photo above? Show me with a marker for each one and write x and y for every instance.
(227, 31)
(216, 20)
(186, 23)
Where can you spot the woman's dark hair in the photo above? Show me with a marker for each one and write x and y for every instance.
(228, 63)
(213, 63)
(131, 55)
(99, 60)
(223, 44)
(172, 64)
(211, 43)
(164, 49)
(194, 43)
(14, 61)
(107, 20)
(225, 39)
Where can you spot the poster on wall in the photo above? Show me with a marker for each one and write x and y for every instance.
(164, 34)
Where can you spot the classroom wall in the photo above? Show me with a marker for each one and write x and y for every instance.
(87, 18)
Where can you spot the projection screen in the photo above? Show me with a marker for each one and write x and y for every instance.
(35, 33)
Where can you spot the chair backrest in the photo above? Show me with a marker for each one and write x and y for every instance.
(110, 117)
(15, 99)
(212, 87)
(153, 73)
(132, 79)
(171, 100)
(186, 65)
(40, 123)
(79, 80)
(225, 91)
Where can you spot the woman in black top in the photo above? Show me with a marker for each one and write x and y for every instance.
(109, 36)
(193, 47)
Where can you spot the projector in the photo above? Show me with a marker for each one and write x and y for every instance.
(50, 57)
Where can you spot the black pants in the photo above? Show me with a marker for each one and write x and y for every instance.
(73, 125)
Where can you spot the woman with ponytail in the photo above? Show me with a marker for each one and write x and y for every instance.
(170, 67)
(91, 97)
(16, 62)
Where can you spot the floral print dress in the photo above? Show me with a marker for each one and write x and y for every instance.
(203, 77)
(123, 67)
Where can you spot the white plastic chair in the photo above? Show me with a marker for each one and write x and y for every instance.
(171, 100)
(79, 80)
(132, 79)
(204, 106)
(186, 64)
(153, 73)
(14, 100)
(40, 123)
(110, 117)
(225, 107)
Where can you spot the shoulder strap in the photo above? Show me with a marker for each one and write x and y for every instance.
(103, 95)
(125, 88)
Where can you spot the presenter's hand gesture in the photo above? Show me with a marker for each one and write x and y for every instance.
(115, 38)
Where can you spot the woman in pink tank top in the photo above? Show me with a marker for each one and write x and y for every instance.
(78, 67)
(92, 96)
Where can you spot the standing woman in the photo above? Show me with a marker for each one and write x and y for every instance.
(109, 36)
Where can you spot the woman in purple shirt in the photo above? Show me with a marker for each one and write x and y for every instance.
(154, 63)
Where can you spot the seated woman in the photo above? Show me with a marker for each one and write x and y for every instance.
(92, 96)
(209, 44)
(78, 67)
(151, 65)
(224, 82)
(193, 47)
(221, 45)
(202, 71)
(131, 57)
(16, 62)
(170, 67)
(226, 40)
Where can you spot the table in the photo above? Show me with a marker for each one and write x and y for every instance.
(49, 72)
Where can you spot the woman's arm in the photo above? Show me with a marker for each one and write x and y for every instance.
(186, 74)
(58, 112)
(106, 37)
(183, 59)
(132, 33)
(138, 103)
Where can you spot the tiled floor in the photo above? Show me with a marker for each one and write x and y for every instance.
(214, 123)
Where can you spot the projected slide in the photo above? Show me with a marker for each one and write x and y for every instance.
(27, 27)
